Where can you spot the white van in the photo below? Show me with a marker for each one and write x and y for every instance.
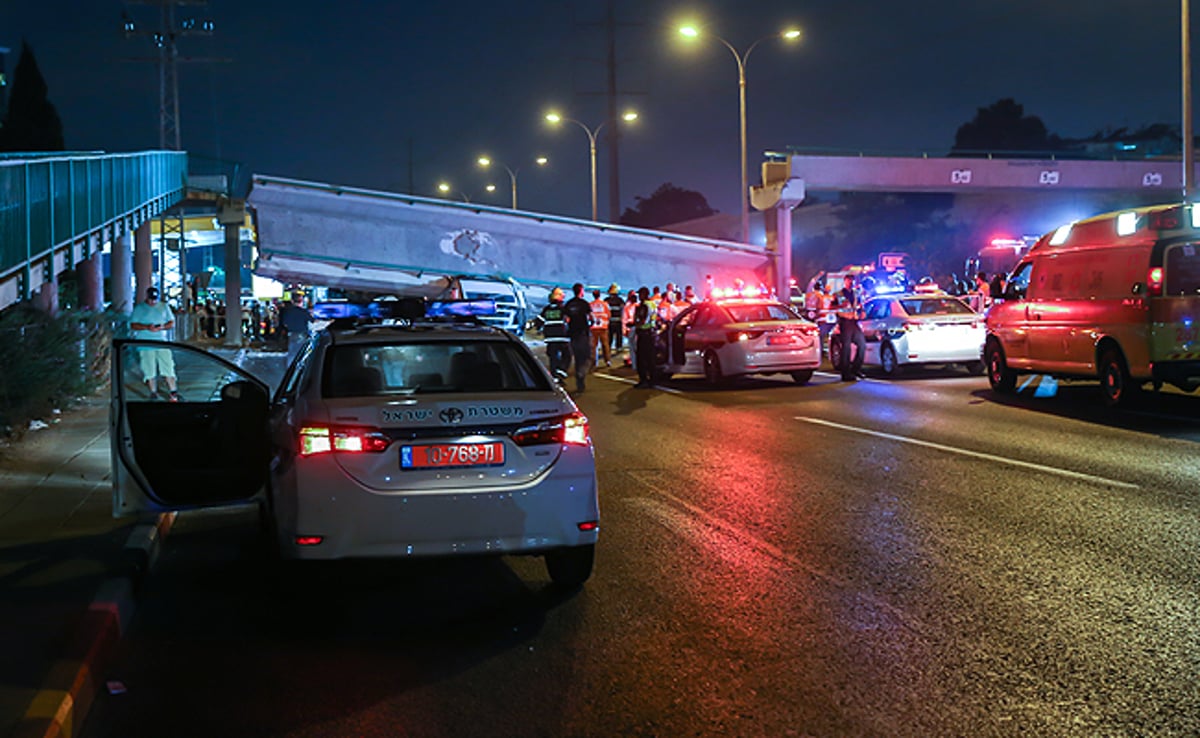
(1115, 297)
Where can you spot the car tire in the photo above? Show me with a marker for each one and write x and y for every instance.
(1118, 387)
(835, 353)
(712, 368)
(976, 367)
(1002, 379)
(571, 567)
(888, 361)
(802, 376)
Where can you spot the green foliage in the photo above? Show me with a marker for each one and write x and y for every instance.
(47, 362)
(32, 122)
(669, 204)
(1003, 128)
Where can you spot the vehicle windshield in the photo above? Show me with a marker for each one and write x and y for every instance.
(761, 311)
(364, 370)
(935, 306)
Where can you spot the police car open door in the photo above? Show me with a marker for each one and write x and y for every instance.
(209, 445)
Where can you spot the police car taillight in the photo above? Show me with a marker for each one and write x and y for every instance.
(323, 439)
(735, 336)
(1154, 282)
(570, 430)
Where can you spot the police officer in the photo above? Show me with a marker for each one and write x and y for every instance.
(615, 305)
(849, 310)
(554, 330)
(645, 320)
(579, 329)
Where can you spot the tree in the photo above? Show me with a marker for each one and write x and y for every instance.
(669, 204)
(31, 123)
(1003, 127)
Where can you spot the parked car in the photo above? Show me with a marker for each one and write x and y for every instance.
(430, 438)
(917, 328)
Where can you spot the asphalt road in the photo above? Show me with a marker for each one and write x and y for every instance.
(896, 558)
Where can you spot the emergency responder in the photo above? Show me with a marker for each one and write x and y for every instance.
(849, 310)
(628, 328)
(615, 305)
(813, 298)
(645, 323)
(579, 329)
(601, 317)
(554, 329)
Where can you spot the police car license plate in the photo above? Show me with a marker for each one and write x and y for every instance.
(440, 455)
(782, 339)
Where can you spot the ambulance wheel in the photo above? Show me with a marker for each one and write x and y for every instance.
(1000, 377)
(888, 361)
(1118, 387)
(712, 368)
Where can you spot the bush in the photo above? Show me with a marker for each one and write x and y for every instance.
(48, 362)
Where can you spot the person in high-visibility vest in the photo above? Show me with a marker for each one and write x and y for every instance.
(645, 321)
(554, 329)
(601, 316)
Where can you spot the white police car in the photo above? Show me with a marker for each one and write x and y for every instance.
(422, 439)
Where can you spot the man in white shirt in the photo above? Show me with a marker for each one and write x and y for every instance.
(150, 321)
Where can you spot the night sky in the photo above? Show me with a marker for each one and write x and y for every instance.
(335, 91)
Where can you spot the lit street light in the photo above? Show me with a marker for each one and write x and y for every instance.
(790, 34)
(487, 161)
(555, 118)
(446, 189)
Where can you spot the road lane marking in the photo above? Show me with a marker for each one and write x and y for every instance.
(975, 454)
(627, 380)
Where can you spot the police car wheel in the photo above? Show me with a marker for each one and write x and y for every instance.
(712, 368)
(835, 353)
(570, 567)
(802, 376)
(976, 367)
(888, 361)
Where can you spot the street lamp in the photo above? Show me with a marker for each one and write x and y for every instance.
(555, 119)
(790, 34)
(446, 189)
(487, 161)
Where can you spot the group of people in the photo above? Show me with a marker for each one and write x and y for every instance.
(586, 332)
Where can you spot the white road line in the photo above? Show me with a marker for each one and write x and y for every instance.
(627, 380)
(974, 454)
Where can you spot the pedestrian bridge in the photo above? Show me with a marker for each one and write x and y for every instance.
(59, 210)
(316, 233)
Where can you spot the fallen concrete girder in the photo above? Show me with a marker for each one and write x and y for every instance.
(323, 234)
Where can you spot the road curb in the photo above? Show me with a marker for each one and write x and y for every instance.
(61, 705)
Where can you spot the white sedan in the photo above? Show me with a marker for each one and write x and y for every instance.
(920, 328)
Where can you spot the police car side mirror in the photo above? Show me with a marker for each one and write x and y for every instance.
(1139, 288)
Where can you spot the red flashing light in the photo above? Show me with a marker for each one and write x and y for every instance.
(321, 439)
(1166, 220)
(569, 430)
(589, 525)
(309, 540)
(1154, 282)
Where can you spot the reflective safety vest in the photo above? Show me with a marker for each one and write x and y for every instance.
(601, 314)
(554, 323)
(644, 316)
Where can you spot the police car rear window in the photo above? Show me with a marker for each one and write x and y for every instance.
(752, 313)
(936, 306)
(1183, 270)
(365, 370)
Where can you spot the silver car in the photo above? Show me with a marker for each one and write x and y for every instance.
(918, 328)
(429, 439)
(730, 337)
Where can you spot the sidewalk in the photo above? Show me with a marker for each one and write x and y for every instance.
(68, 570)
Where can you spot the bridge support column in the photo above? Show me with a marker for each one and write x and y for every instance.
(121, 282)
(143, 261)
(45, 298)
(779, 194)
(91, 283)
(233, 284)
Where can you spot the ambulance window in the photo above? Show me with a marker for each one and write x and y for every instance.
(1018, 283)
(1183, 270)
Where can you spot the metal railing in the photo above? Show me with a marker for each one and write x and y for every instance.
(48, 200)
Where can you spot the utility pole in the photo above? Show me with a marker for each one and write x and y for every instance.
(1189, 144)
(165, 38)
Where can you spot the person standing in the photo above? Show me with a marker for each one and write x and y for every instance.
(628, 328)
(579, 330)
(601, 317)
(615, 306)
(645, 321)
(849, 310)
(150, 321)
(294, 320)
(554, 330)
